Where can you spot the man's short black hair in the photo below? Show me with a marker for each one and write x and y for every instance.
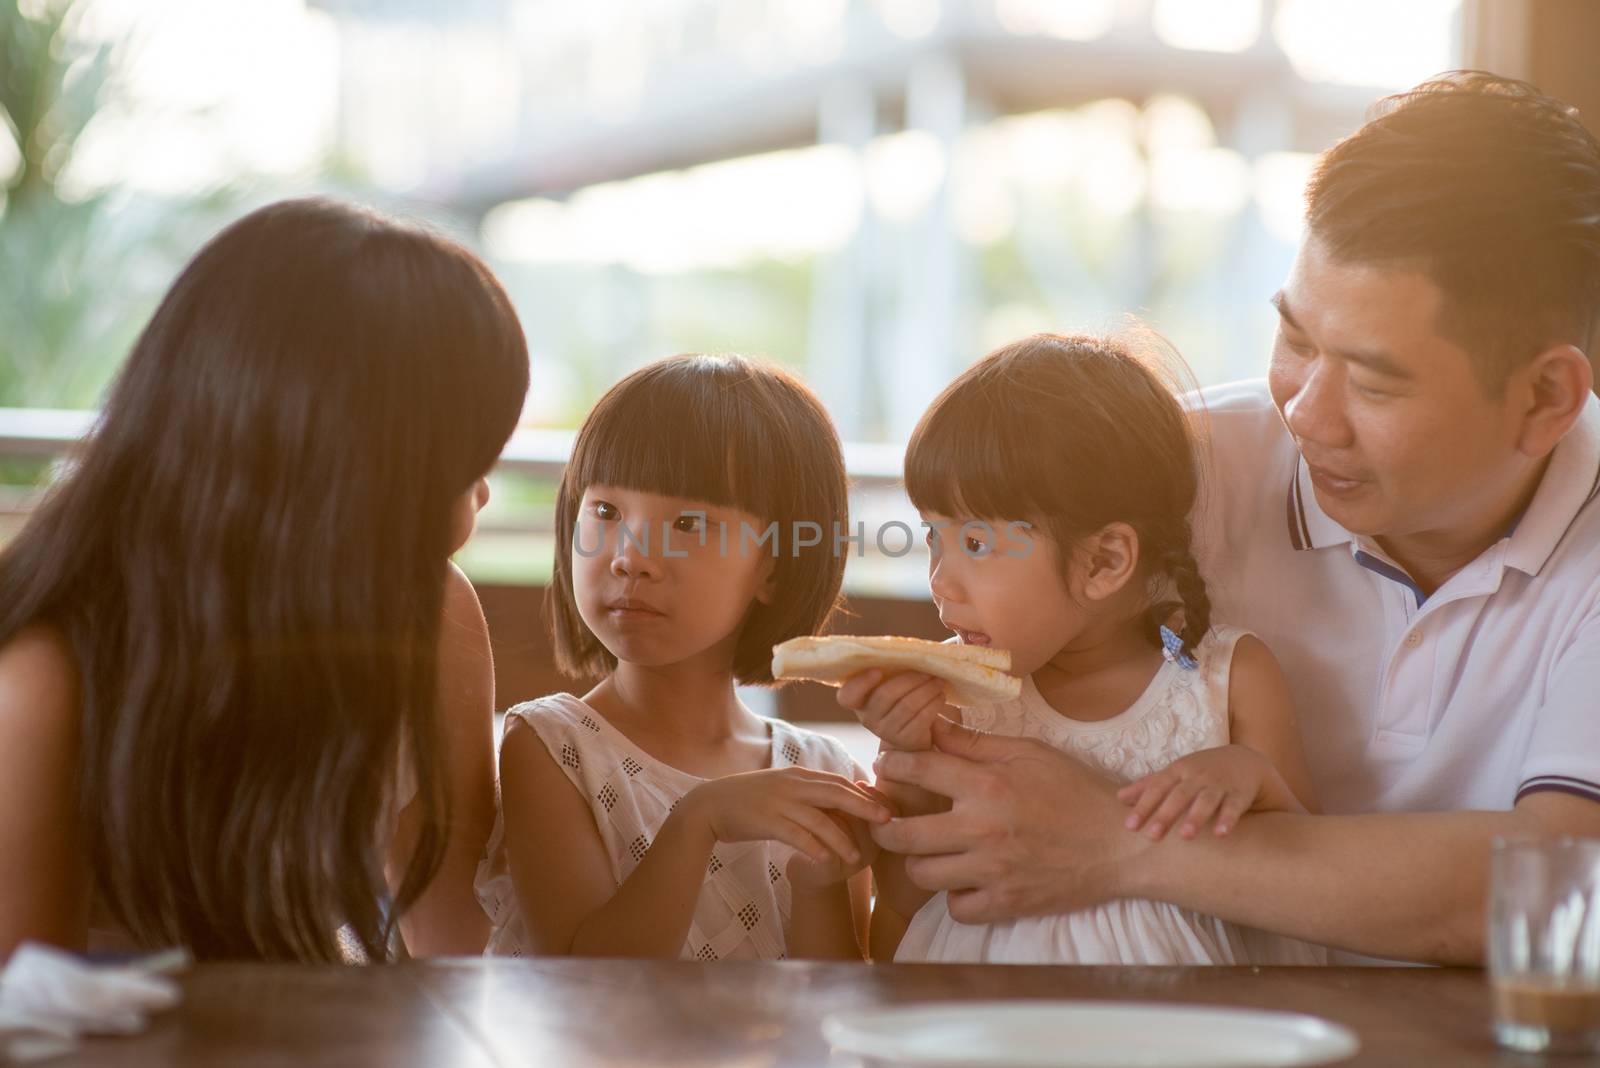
(1490, 188)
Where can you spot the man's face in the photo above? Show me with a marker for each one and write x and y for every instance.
(1390, 416)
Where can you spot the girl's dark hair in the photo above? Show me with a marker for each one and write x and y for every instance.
(729, 431)
(1073, 433)
(1490, 188)
(248, 561)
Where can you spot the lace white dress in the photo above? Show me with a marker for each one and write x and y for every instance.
(744, 904)
(1181, 711)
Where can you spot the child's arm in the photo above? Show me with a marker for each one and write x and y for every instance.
(829, 922)
(1262, 769)
(562, 874)
(900, 710)
(898, 900)
(1261, 717)
(832, 903)
(447, 918)
(820, 926)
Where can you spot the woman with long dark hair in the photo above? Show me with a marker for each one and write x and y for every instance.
(245, 698)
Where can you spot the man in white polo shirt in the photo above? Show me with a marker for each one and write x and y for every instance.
(1406, 512)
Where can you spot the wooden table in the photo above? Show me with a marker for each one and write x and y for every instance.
(552, 1013)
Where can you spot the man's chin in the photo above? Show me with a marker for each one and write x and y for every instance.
(1360, 513)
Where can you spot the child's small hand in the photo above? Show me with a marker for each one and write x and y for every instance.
(1222, 783)
(899, 709)
(792, 805)
(806, 873)
(906, 799)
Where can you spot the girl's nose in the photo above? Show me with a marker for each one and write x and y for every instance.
(941, 582)
(633, 557)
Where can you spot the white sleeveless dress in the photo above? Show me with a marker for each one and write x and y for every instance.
(744, 904)
(1182, 711)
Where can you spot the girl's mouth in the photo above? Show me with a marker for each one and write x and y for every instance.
(971, 637)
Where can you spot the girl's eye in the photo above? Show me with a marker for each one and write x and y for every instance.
(687, 524)
(975, 547)
(606, 510)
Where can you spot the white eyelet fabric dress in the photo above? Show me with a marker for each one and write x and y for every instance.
(744, 904)
(1180, 712)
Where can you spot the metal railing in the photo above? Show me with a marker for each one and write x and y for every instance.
(524, 534)
(47, 433)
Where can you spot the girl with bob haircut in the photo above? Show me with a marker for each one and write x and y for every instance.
(657, 816)
(245, 699)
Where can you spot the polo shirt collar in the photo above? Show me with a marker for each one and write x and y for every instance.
(1309, 525)
(1571, 482)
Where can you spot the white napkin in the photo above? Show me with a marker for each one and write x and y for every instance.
(49, 997)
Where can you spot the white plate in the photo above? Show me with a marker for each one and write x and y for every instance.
(1079, 1034)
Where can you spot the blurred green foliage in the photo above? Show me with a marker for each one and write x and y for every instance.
(81, 267)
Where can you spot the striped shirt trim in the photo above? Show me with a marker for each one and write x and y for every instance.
(1393, 574)
(1299, 532)
(1561, 784)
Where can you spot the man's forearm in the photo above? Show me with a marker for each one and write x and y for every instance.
(1401, 886)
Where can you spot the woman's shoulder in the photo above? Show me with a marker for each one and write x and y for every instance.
(40, 756)
(39, 677)
(460, 596)
(465, 662)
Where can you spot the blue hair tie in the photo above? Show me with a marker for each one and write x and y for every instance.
(1173, 651)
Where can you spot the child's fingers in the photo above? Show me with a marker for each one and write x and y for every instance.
(801, 840)
(926, 697)
(876, 794)
(853, 694)
(892, 728)
(1234, 806)
(914, 711)
(872, 791)
(1154, 790)
(862, 833)
(1201, 810)
(796, 777)
(804, 871)
(832, 836)
(1178, 799)
(929, 695)
(889, 693)
(845, 797)
(898, 721)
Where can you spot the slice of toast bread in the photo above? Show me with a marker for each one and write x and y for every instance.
(972, 674)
